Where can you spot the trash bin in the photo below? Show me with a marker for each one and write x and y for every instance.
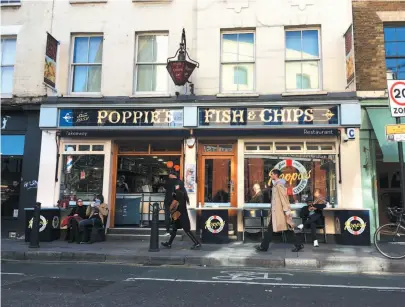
(352, 226)
(49, 224)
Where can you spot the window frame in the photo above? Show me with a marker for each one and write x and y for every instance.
(5, 3)
(394, 25)
(73, 65)
(136, 63)
(222, 62)
(3, 38)
(319, 59)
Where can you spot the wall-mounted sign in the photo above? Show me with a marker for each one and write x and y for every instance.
(349, 53)
(355, 225)
(121, 117)
(300, 177)
(269, 116)
(50, 61)
(395, 133)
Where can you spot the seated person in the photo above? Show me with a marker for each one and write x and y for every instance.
(258, 196)
(97, 213)
(312, 214)
(77, 214)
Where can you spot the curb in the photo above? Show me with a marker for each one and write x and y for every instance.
(355, 265)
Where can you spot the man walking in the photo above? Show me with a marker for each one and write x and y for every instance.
(280, 218)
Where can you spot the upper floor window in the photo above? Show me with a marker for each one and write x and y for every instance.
(151, 59)
(394, 37)
(86, 64)
(238, 62)
(8, 48)
(10, 2)
(302, 67)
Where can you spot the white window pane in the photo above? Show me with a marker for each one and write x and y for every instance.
(80, 78)
(7, 80)
(162, 47)
(151, 78)
(228, 78)
(293, 44)
(94, 79)
(292, 73)
(81, 49)
(310, 48)
(146, 47)
(96, 49)
(310, 75)
(229, 47)
(243, 76)
(246, 47)
(8, 47)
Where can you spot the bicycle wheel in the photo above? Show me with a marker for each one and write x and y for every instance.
(389, 239)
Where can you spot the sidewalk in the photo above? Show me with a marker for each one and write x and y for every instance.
(327, 257)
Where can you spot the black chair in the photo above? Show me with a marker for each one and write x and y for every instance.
(319, 225)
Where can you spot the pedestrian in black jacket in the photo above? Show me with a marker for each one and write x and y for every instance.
(77, 214)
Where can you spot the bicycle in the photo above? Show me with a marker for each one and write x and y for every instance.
(389, 239)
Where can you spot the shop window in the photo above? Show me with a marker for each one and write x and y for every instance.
(169, 146)
(330, 147)
(302, 176)
(258, 147)
(237, 62)
(11, 167)
(145, 174)
(70, 148)
(302, 59)
(150, 67)
(86, 64)
(84, 147)
(82, 176)
(8, 50)
(98, 147)
(134, 146)
(290, 147)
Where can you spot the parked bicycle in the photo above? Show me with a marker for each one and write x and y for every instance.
(389, 239)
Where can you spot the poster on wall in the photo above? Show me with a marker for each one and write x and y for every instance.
(50, 61)
(349, 53)
(190, 178)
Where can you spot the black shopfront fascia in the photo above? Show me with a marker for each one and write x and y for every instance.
(23, 122)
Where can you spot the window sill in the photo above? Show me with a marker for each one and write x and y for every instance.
(304, 93)
(16, 5)
(87, 1)
(225, 95)
(84, 95)
(148, 95)
(151, 1)
(6, 95)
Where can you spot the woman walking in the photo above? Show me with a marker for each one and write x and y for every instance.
(179, 217)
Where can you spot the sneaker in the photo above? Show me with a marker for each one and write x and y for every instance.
(166, 244)
(300, 226)
(260, 249)
(316, 243)
(196, 246)
(297, 248)
(167, 234)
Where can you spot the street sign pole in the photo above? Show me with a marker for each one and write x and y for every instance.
(401, 166)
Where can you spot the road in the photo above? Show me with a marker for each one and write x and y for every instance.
(81, 284)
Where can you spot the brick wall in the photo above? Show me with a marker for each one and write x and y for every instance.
(369, 49)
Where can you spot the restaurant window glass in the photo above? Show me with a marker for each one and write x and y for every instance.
(11, 167)
(302, 173)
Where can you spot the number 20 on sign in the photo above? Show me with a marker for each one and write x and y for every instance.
(396, 92)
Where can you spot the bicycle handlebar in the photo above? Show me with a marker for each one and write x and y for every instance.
(396, 211)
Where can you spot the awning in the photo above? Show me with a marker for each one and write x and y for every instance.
(12, 145)
(379, 117)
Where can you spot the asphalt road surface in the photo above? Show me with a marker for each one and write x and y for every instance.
(79, 284)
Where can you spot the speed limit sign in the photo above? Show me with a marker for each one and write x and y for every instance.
(396, 92)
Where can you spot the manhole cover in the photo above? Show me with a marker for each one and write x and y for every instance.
(59, 285)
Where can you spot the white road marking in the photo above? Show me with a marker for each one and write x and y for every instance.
(246, 275)
(264, 283)
(20, 274)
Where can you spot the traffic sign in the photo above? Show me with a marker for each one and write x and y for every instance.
(395, 133)
(396, 93)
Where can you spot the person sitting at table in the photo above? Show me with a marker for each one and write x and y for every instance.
(77, 214)
(258, 196)
(97, 213)
(312, 214)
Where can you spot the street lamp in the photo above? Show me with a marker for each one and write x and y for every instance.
(181, 69)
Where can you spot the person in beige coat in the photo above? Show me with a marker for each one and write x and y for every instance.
(280, 218)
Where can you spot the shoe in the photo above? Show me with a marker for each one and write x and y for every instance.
(316, 243)
(166, 244)
(196, 246)
(297, 248)
(300, 226)
(167, 234)
(260, 249)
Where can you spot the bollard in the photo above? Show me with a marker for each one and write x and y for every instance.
(154, 231)
(34, 236)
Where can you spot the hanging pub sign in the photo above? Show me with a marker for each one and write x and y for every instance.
(269, 116)
(121, 117)
(50, 61)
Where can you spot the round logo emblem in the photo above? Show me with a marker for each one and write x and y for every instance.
(55, 221)
(355, 225)
(42, 223)
(215, 224)
(303, 175)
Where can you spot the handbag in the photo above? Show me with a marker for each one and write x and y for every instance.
(174, 206)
